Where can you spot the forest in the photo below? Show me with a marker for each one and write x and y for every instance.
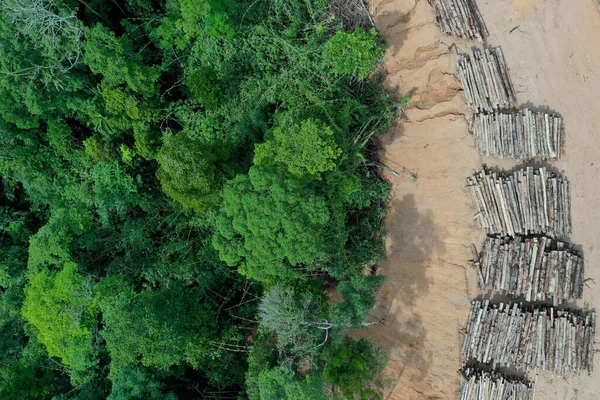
(190, 199)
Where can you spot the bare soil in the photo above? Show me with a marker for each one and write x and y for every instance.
(552, 48)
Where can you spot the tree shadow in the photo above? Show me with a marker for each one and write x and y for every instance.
(413, 238)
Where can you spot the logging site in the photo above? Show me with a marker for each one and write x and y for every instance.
(492, 234)
(299, 199)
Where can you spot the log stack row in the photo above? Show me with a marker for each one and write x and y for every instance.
(485, 80)
(460, 18)
(528, 201)
(494, 386)
(530, 338)
(538, 269)
(520, 134)
(515, 206)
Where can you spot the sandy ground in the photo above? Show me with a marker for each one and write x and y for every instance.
(554, 57)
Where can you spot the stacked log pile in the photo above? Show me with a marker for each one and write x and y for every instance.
(521, 134)
(493, 386)
(538, 269)
(485, 80)
(460, 18)
(528, 201)
(536, 338)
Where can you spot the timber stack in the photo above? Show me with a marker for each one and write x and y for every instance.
(485, 80)
(521, 134)
(538, 269)
(542, 338)
(527, 202)
(494, 386)
(460, 18)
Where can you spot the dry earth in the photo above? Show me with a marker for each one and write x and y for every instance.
(554, 59)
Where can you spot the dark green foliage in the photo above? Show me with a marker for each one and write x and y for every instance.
(193, 171)
(262, 357)
(139, 328)
(358, 298)
(280, 383)
(137, 383)
(351, 365)
(149, 150)
(204, 85)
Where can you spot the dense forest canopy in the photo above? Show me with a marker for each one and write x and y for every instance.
(185, 187)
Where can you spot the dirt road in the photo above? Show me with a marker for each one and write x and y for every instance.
(552, 51)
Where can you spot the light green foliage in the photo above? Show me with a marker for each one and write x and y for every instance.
(307, 149)
(117, 102)
(214, 15)
(350, 367)
(281, 384)
(147, 140)
(115, 59)
(353, 53)
(271, 227)
(193, 171)
(62, 311)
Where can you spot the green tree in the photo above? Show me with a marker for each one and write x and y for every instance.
(160, 328)
(133, 382)
(262, 356)
(353, 53)
(115, 59)
(214, 15)
(359, 297)
(193, 171)
(351, 367)
(271, 227)
(204, 85)
(307, 149)
(62, 311)
(281, 384)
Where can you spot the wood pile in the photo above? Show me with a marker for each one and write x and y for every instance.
(485, 80)
(537, 269)
(494, 386)
(460, 18)
(542, 338)
(528, 201)
(521, 134)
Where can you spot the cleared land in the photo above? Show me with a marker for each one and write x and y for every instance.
(551, 50)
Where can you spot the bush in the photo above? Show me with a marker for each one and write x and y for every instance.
(352, 366)
(353, 53)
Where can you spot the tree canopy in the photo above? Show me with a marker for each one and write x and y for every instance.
(182, 185)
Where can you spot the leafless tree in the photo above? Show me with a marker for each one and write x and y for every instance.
(53, 30)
